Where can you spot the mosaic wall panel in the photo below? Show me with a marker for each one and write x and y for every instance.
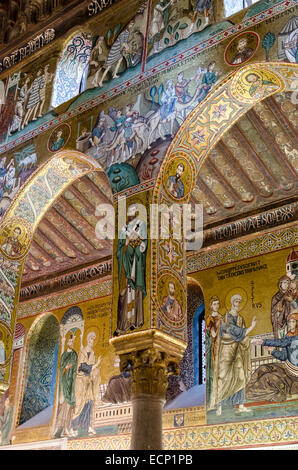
(226, 436)
(65, 299)
(273, 241)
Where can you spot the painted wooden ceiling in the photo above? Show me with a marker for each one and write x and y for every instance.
(66, 239)
(253, 168)
(255, 164)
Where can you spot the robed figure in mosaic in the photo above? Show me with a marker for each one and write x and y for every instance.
(67, 399)
(212, 341)
(232, 368)
(6, 420)
(277, 382)
(131, 256)
(86, 387)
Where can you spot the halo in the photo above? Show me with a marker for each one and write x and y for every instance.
(253, 72)
(95, 330)
(229, 295)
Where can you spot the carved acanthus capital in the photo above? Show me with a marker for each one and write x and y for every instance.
(149, 370)
(150, 357)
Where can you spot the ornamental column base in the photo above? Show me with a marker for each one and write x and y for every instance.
(150, 357)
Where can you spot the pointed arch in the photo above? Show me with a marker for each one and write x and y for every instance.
(21, 220)
(39, 367)
(226, 104)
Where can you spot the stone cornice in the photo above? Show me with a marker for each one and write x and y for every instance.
(65, 281)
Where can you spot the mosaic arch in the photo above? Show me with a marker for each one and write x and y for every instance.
(17, 228)
(204, 127)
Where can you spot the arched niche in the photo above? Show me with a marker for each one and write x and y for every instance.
(188, 388)
(41, 360)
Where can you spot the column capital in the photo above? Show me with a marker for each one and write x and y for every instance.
(150, 356)
(148, 339)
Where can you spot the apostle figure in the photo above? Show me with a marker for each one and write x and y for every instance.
(86, 387)
(243, 52)
(174, 184)
(12, 246)
(131, 256)
(58, 142)
(232, 366)
(67, 399)
(170, 305)
(281, 308)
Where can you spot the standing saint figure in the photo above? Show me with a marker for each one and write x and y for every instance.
(86, 387)
(281, 308)
(232, 366)
(67, 399)
(6, 421)
(131, 256)
(212, 340)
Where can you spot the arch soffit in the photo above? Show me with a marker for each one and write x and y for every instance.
(224, 106)
(201, 131)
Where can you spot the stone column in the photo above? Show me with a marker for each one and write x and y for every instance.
(150, 357)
